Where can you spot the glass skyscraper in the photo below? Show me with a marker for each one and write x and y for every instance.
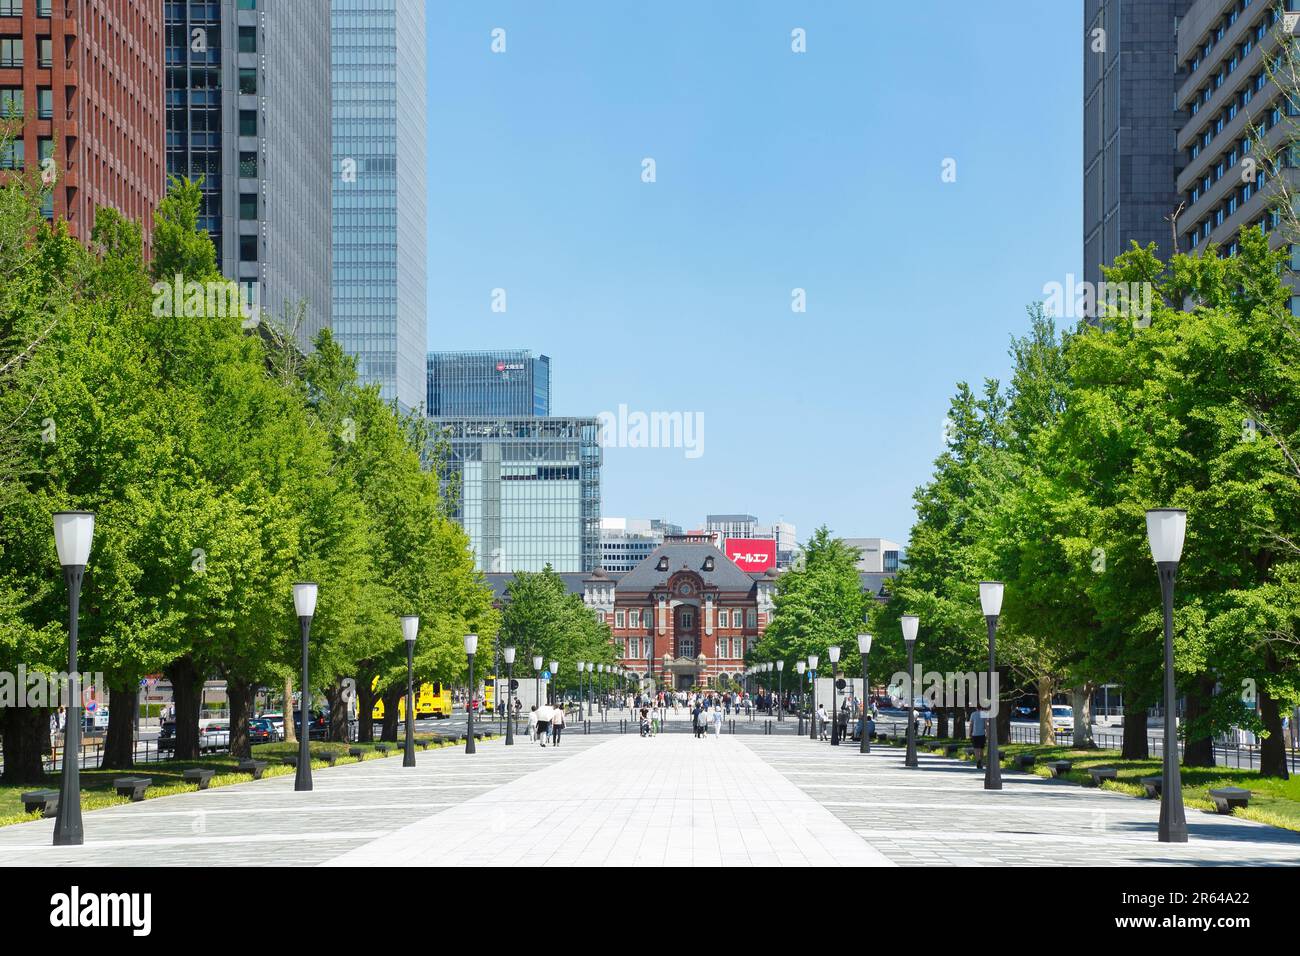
(378, 83)
(248, 114)
(488, 383)
(526, 490)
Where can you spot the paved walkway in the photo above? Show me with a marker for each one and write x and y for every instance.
(671, 800)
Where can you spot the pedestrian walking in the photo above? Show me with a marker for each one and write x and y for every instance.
(978, 736)
(557, 724)
(532, 723)
(717, 721)
(544, 715)
(821, 720)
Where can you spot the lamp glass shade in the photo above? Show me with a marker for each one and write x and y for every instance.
(410, 627)
(1166, 528)
(72, 533)
(471, 643)
(864, 643)
(537, 662)
(833, 652)
(555, 667)
(304, 598)
(800, 666)
(812, 661)
(509, 654)
(910, 624)
(590, 666)
(780, 665)
(991, 597)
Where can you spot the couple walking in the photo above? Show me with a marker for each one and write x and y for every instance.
(702, 716)
(546, 723)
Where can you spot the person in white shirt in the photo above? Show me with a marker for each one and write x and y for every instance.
(532, 723)
(821, 720)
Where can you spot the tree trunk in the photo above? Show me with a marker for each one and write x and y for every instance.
(1198, 750)
(1135, 745)
(240, 694)
(1004, 707)
(1272, 748)
(942, 729)
(391, 697)
(1081, 701)
(185, 698)
(959, 724)
(290, 732)
(119, 742)
(26, 736)
(365, 710)
(1046, 732)
(338, 726)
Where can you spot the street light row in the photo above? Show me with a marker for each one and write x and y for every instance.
(1166, 532)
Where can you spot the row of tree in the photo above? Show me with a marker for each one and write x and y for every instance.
(1044, 484)
(222, 465)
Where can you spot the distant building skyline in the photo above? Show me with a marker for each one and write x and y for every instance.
(488, 382)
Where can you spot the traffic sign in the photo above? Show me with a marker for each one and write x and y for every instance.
(546, 675)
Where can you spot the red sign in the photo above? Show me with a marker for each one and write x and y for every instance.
(751, 554)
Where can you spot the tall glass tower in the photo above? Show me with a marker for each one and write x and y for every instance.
(378, 83)
(507, 382)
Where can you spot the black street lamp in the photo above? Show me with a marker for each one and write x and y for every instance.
(550, 687)
(509, 654)
(471, 645)
(73, 531)
(801, 667)
(1166, 529)
(304, 602)
(834, 653)
(910, 623)
(780, 690)
(991, 604)
(537, 681)
(591, 710)
(864, 648)
(410, 628)
(812, 706)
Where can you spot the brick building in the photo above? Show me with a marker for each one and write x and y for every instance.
(86, 76)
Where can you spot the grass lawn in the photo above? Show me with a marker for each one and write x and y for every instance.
(1272, 801)
(97, 785)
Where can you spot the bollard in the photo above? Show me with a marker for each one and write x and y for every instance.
(586, 726)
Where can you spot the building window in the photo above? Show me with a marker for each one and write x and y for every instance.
(11, 155)
(247, 81)
(11, 102)
(44, 52)
(248, 165)
(44, 103)
(248, 39)
(724, 618)
(752, 616)
(248, 122)
(248, 206)
(11, 51)
(618, 619)
(634, 617)
(248, 248)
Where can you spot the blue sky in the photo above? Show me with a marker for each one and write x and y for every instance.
(774, 171)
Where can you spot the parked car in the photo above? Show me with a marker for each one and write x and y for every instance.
(214, 734)
(1062, 717)
(318, 724)
(260, 731)
(277, 723)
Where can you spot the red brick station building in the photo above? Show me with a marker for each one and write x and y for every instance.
(684, 617)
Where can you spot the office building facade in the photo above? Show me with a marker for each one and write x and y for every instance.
(1228, 97)
(508, 382)
(626, 542)
(526, 490)
(86, 79)
(1129, 127)
(378, 81)
(248, 114)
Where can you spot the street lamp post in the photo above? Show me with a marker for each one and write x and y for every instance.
(304, 602)
(550, 685)
(1166, 529)
(812, 696)
(410, 628)
(834, 653)
(73, 531)
(537, 681)
(591, 710)
(780, 690)
(471, 645)
(991, 604)
(801, 667)
(864, 648)
(509, 654)
(910, 623)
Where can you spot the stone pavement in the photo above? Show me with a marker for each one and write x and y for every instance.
(940, 814)
(625, 800)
